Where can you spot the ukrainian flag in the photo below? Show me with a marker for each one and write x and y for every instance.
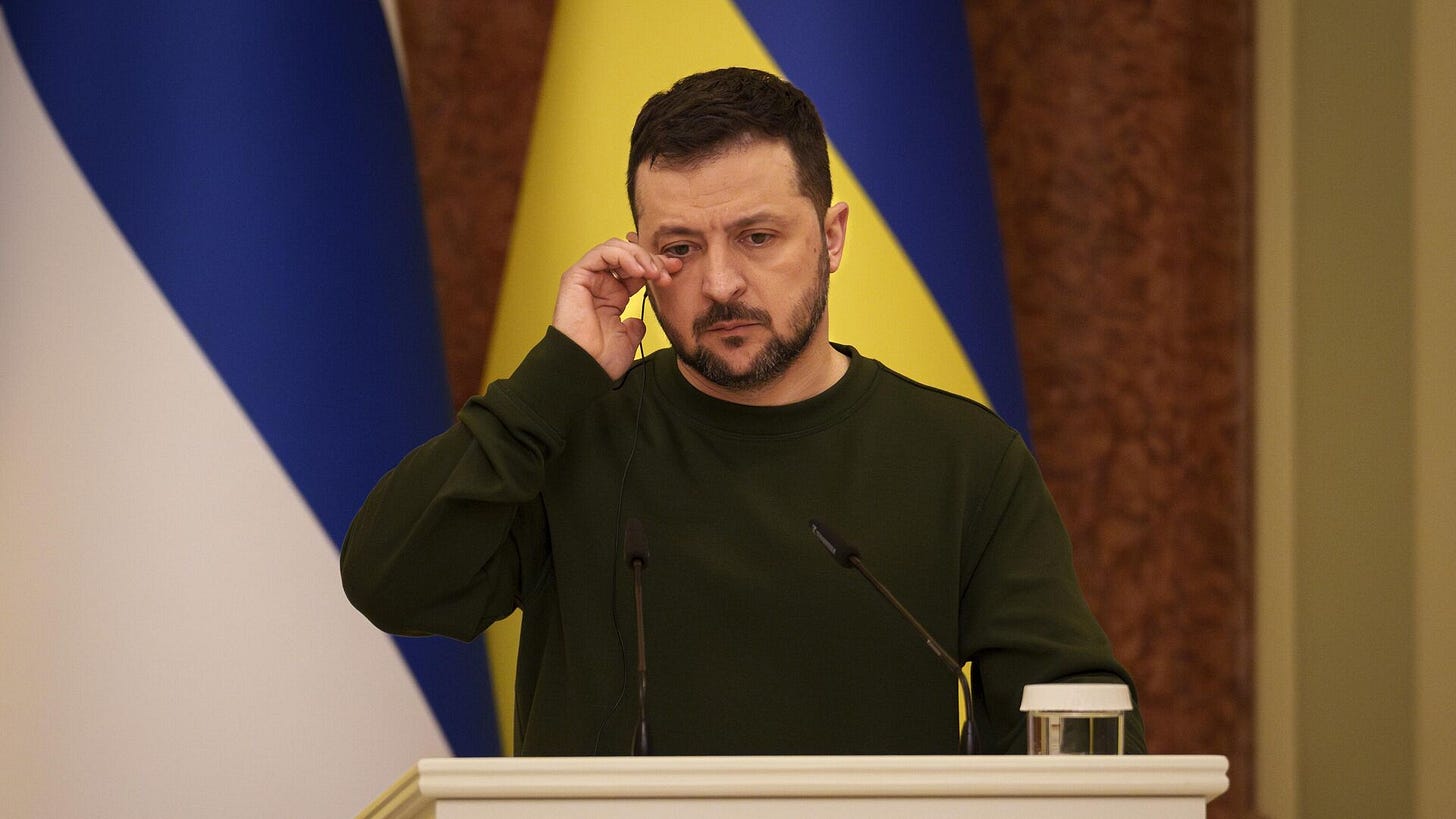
(922, 286)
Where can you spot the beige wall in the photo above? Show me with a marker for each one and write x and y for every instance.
(1356, 296)
(1435, 407)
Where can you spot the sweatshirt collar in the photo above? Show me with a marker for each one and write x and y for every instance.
(786, 420)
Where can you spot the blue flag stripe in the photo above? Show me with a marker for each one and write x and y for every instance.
(895, 86)
(258, 160)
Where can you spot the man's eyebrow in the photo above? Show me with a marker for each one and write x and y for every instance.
(672, 230)
(762, 217)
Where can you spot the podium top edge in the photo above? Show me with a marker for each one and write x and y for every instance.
(812, 776)
(827, 762)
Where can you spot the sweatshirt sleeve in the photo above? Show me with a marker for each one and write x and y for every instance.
(448, 538)
(1023, 617)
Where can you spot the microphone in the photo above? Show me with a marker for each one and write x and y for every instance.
(634, 544)
(848, 556)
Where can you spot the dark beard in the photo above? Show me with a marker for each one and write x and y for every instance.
(777, 355)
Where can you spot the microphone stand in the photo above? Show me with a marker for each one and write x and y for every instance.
(847, 556)
(636, 547)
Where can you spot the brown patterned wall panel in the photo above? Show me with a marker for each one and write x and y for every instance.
(474, 73)
(1119, 134)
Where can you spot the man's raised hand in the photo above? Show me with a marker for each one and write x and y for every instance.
(594, 292)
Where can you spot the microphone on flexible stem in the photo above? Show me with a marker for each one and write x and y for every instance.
(635, 546)
(848, 556)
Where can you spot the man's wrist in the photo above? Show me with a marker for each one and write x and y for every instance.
(556, 380)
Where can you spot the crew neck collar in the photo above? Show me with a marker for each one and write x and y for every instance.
(800, 417)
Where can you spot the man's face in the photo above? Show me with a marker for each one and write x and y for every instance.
(752, 291)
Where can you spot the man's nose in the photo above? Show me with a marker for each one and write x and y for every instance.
(722, 279)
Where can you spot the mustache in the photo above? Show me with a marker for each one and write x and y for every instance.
(730, 311)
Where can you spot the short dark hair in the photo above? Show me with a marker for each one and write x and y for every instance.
(702, 115)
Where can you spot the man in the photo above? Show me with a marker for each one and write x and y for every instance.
(723, 448)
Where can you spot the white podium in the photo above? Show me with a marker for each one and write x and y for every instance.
(1126, 787)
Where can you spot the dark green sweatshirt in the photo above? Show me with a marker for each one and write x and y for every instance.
(757, 641)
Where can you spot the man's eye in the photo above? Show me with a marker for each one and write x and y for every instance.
(759, 239)
(678, 250)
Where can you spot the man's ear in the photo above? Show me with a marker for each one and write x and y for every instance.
(836, 222)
